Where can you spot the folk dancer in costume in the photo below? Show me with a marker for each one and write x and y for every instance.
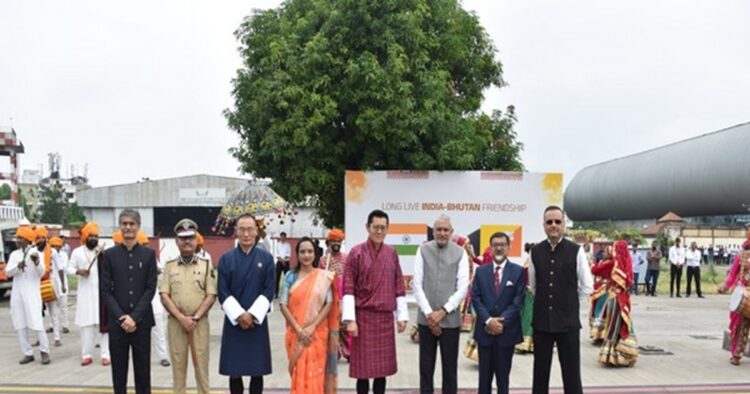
(26, 268)
(739, 326)
(373, 290)
(60, 277)
(188, 290)
(620, 347)
(84, 262)
(527, 312)
(598, 298)
(246, 288)
(308, 304)
(335, 260)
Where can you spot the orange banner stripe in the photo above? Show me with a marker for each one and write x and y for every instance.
(407, 228)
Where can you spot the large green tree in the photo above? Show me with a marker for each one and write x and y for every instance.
(54, 207)
(331, 85)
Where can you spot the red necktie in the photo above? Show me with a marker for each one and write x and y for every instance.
(497, 279)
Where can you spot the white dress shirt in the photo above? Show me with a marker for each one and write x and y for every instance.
(693, 258)
(677, 255)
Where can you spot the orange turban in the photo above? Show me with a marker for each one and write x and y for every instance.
(88, 230)
(41, 232)
(199, 239)
(117, 237)
(56, 242)
(335, 235)
(26, 233)
(141, 238)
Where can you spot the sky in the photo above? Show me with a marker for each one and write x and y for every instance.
(136, 89)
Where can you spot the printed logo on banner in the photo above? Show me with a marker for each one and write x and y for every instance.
(482, 237)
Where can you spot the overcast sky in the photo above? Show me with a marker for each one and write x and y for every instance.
(136, 89)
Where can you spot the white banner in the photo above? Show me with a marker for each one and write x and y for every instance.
(478, 202)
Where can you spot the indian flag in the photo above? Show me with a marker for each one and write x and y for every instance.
(406, 237)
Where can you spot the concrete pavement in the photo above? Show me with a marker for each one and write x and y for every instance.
(687, 330)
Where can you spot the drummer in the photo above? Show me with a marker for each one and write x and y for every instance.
(737, 280)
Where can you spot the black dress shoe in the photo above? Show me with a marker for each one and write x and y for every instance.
(26, 360)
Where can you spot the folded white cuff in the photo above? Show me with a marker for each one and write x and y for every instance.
(402, 309)
(347, 308)
(232, 309)
(259, 309)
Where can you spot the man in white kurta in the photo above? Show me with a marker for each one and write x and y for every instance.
(84, 263)
(59, 268)
(26, 268)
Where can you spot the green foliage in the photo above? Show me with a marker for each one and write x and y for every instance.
(5, 192)
(26, 209)
(607, 229)
(333, 85)
(54, 208)
(630, 235)
(590, 234)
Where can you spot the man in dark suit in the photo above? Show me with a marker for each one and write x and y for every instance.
(559, 277)
(127, 285)
(497, 296)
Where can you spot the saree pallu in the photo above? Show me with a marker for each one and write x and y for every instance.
(307, 364)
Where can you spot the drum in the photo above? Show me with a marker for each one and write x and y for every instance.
(740, 301)
(48, 292)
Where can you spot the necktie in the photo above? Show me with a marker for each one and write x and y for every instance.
(497, 279)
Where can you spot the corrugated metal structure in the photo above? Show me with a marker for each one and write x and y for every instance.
(702, 176)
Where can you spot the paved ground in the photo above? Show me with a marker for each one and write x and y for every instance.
(689, 330)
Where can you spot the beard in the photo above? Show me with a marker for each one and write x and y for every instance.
(336, 248)
(41, 245)
(92, 243)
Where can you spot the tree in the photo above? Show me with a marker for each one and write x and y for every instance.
(27, 212)
(328, 86)
(54, 207)
(51, 204)
(5, 192)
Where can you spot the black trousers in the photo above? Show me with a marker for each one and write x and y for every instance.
(494, 361)
(428, 344)
(694, 272)
(281, 269)
(120, 344)
(675, 275)
(569, 355)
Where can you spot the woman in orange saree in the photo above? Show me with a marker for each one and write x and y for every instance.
(306, 301)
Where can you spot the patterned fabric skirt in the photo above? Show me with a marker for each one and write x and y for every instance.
(596, 318)
(373, 353)
(617, 350)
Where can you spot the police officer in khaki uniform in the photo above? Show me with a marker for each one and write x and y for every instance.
(188, 290)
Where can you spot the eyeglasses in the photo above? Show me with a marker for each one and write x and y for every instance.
(246, 230)
(379, 228)
(555, 221)
(499, 246)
